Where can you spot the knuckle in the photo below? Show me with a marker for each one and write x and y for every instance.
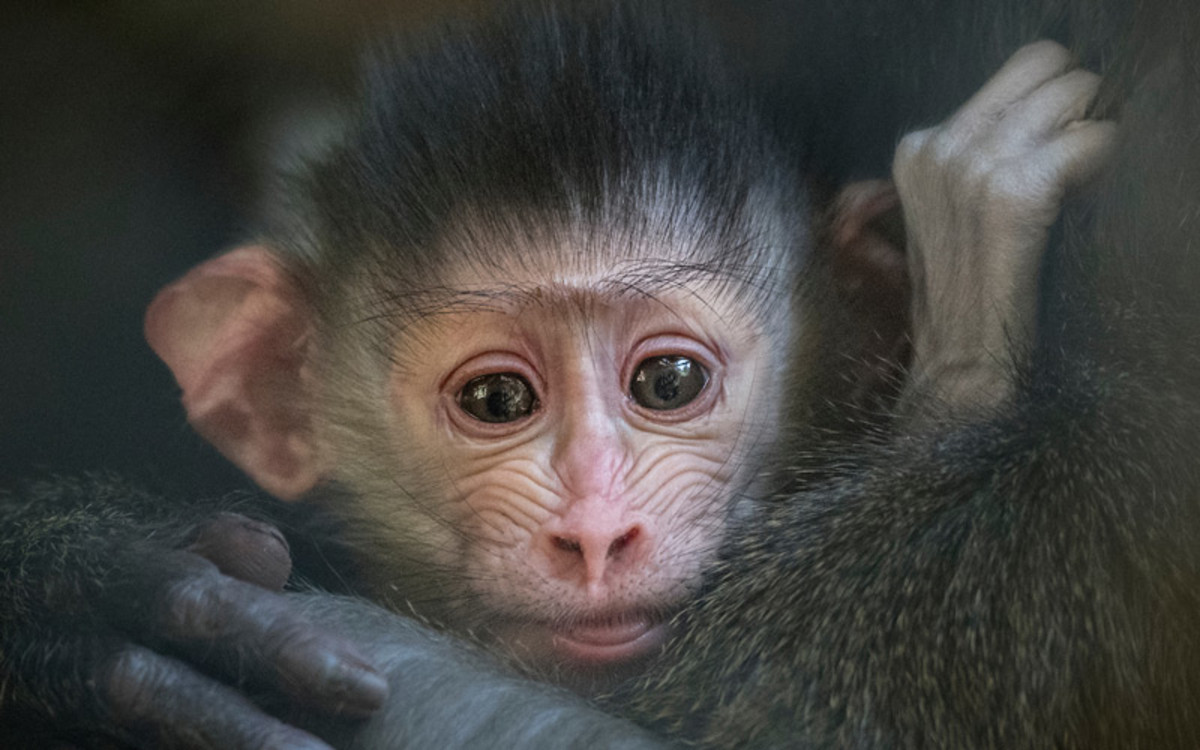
(947, 150)
(989, 173)
(1043, 51)
(927, 151)
(999, 187)
(194, 606)
(912, 144)
(286, 634)
(1078, 84)
(132, 682)
(1024, 196)
(981, 174)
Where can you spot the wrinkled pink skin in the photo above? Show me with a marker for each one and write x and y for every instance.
(591, 518)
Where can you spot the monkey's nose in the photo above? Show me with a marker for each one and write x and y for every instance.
(575, 545)
(597, 549)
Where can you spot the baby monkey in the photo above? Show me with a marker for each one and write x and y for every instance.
(524, 348)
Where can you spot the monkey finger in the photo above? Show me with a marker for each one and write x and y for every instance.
(1079, 152)
(246, 549)
(1049, 108)
(245, 633)
(257, 635)
(160, 702)
(1027, 69)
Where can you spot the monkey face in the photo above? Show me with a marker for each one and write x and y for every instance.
(581, 444)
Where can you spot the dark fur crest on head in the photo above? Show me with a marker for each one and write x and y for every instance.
(635, 145)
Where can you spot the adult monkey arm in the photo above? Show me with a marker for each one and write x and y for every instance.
(448, 693)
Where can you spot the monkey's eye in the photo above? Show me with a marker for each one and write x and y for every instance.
(665, 383)
(497, 397)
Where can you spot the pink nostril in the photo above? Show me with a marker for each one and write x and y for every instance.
(576, 545)
(623, 541)
(567, 545)
(596, 549)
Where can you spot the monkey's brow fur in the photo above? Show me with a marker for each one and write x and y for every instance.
(651, 280)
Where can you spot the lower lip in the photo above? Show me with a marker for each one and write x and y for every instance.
(610, 643)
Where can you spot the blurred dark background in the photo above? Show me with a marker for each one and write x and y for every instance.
(134, 138)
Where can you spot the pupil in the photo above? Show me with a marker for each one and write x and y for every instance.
(668, 382)
(498, 397)
(666, 386)
(501, 403)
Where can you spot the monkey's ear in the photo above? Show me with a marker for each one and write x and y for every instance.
(866, 236)
(234, 332)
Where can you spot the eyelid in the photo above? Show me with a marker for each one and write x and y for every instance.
(659, 345)
(639, 383)
(479, 365)
(488, 363)
(498, 379)
(672, 344)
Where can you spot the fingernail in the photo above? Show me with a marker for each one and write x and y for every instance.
(356, 686)
(265, 529)
(367, 694)
(298, 740)
(363, 691)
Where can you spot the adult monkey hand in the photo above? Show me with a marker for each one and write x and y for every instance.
(134, 603)
(979, 194)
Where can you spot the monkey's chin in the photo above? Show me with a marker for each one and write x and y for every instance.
(597, 645)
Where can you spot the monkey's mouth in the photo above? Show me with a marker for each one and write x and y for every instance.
(608, 641)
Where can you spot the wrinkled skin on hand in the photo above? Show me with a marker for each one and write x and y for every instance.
(133, 604)
(979, 193)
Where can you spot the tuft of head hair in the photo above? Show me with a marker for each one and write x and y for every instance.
(599, 133)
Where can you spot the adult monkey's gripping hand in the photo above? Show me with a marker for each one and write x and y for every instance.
(111, 595)
(980, 192)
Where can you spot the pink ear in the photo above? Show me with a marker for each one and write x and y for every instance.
(866, 235)
(234, 332)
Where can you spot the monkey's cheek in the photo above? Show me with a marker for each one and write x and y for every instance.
(600, 645)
